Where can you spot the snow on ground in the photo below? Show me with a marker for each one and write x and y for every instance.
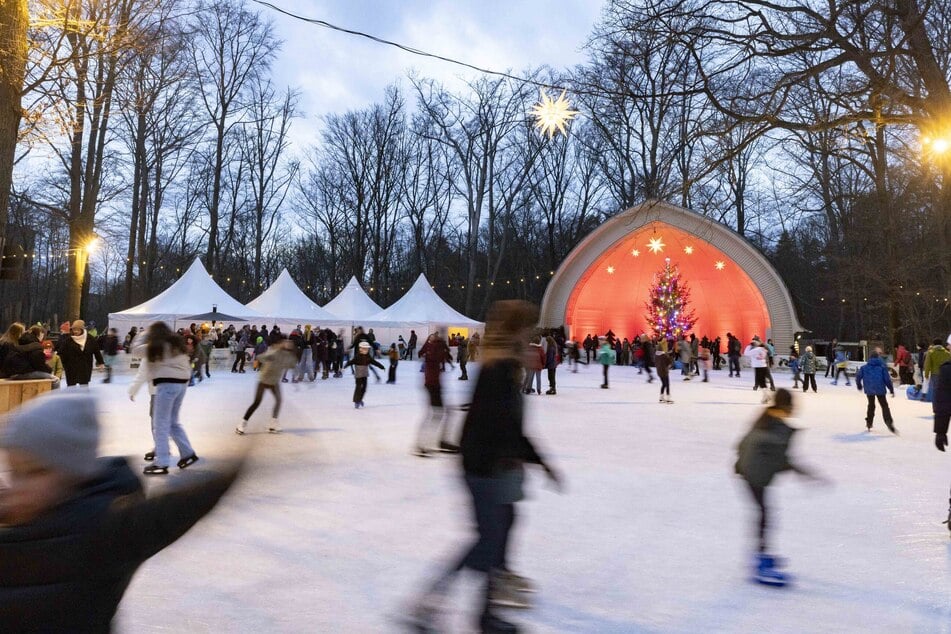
(337, 526)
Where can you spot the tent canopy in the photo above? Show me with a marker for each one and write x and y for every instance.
(352, 304)
(283, 301)
(421, 305)
(193, 293)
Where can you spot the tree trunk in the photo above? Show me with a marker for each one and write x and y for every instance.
(14, 20)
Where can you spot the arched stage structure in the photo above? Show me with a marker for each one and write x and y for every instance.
(604, 282)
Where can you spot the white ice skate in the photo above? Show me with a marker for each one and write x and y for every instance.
(274, 427)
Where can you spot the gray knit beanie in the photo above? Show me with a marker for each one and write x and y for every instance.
(60, 431)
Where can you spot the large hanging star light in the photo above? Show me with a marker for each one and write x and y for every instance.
(720, 265)
(656, 245)
(553, 114)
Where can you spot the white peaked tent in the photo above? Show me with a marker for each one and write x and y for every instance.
(284, 304)
(422, 310)
(352, 304)
(193, 293)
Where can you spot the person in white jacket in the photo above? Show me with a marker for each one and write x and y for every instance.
(167, 368)
(759, 361)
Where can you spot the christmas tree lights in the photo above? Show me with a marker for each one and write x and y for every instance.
(668, 312)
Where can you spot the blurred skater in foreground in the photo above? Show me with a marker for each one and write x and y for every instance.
(74, 527)
(494, 452)
(941, 405)
(763, 453)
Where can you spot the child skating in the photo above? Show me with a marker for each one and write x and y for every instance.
(361, 363)
(763, 453)
(874, 379)
(663, 362)
(272, 364)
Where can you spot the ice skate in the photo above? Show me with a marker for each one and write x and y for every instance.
(551, 391)
(669, 401)
(274, 427)
(241, 428)
(491, 624)
(149, 456)
(186, 462)
(154, 469)
(767, 574)
(422, 452)
(505, 595)
(947, 522)
(448, 447)
(517, 582)
(891, 427)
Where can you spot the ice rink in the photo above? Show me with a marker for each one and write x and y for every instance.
(337, 526)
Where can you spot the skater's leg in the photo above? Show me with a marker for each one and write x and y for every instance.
(165, 394)
(886, 411)
(538, 381)
(176, 431)
(276, 390)
(506, 521)
(759, 496)
(870, 410)
(258, 395)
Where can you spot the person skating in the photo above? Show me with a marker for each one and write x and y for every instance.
(494, 452)
(606, 357)
(906, 366)
(733, 354)
(809, 363)
(647, 358)
(167, 368)
(434, 353)
(74, 527)
(274, 362)
(794, 366)
(462, 357)
(110, 350)
(763, 452)
(241, 344)
(830, 357)
(874, 378)
(663, 362)
(704, 362)
(411, 344)
(77, 351)
(841, 366)
(941, 406)
(209, 337)
(394, 356)
(552, 359)
(759, 360)
(360, 363)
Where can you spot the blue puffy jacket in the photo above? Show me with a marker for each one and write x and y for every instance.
(873, 377)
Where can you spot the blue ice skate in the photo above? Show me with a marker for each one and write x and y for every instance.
(767, 574)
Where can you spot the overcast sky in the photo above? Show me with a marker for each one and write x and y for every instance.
(336, 72)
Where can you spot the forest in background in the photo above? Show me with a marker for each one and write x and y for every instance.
(814, 129)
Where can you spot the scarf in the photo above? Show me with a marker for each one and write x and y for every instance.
(81, 340)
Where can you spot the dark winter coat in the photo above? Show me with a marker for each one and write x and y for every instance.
(77, 362)
(763, 452)
(808, 362)
(462, 350)
(941, 399)
(493, 441)
(873, 377)
(434, 354)
(26, 356)
(67, 571)
(110, 345)
(663, 363)
(551, 357)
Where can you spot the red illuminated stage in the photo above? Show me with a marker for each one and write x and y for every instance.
(604, 283)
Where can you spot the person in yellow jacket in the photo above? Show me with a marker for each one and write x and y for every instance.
(937, 354)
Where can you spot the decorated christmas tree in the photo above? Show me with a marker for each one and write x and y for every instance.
(668, 312)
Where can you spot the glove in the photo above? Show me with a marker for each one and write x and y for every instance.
(940, 441)
(555, 478)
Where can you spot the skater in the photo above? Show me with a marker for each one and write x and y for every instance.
(906, 366)
(941, 406)
(794, 366)
(606, 357)
(936, 356)
(552, 359)
(808, 363)
(683, 351)
(841, 366)
(411, 344)
(874, 378)
(830, 357)
(534, 362)
(77, 350)
(763, 453)
(434, 353)
(76, 527)
(241, 344)
(462, 356)
(759, 358)
(110, 350)
(733, 354)
(361, 362)
(394, 357)
(705, 363)
(273, 363)
(167, 369)
(305, 366)
(494, 452)
(209, 337)
(647, 357)
(663, 362)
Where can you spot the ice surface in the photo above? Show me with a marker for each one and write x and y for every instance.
(337, 527)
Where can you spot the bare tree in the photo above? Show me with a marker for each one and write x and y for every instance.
(14, 22)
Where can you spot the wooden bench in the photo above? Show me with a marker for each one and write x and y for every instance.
(15, 393)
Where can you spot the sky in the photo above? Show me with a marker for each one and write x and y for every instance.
(336, 72)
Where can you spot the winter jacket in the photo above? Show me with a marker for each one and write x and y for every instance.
(67, 570)
(606, 355)
(683, 351)
(841, 360)
(77, 361)
(110, 345)
(534, 357)
(764, 452)
(903, 357)
(551, 357)
(874, 378)
(434, 354)
(941, 397)
(808, 362)
(663, 363)
(275, 361)
(936, 357)
(493, 441)
(462, 350)
(759, 356)
(361, 365)
(27, 356)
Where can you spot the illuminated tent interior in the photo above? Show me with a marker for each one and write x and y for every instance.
(604, 283)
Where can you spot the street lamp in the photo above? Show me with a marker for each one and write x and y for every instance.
(93, 244)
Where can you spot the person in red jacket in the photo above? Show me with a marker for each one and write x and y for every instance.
(435, 354)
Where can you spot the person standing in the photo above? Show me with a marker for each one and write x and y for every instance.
(936, 356)
(663, 362)
(941, 406)
(759, 360)
(209, 337)
(305, 367)
(694, 355)
(794, 366)
(411, 344)
(274, 362)
(733, 354)
(808, 362)
(715, 349)
(552, 359)
(874, 378)
(647, 357)
(394, 356)
(606, 358)
(434, 353)
(361, 362)
(462, 357)
(78, 351)
(830, 357)
(494, 451)
(241, 344)
(168, 369)
(764, 452)
(534, 362)
(906, 367)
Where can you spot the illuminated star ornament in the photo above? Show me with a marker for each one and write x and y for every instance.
(611, 270)
(656, 245)
(688, 250)
(635, 253)
(720, 265)
(553, 114)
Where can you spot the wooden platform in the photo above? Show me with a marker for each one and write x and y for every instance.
(15, 393)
